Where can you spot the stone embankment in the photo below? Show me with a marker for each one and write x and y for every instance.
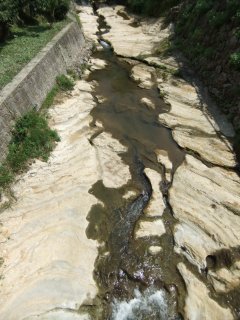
(30, 87)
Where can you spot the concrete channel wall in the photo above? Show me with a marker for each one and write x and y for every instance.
(30, 87)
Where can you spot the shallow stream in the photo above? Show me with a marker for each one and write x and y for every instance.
(146, 286)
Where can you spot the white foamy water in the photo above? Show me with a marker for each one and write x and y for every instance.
(149, 305)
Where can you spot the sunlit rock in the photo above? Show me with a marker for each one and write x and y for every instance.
(206, 202)
(156, 204)
(198, 303)
(150, 229)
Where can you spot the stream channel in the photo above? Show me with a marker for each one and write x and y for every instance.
(133, 284)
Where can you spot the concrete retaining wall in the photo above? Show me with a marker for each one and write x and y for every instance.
(30, 87)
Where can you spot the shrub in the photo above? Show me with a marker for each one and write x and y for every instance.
(32, 138)
(235, 60)
(8, 13)
(53, 9)
(5, 176)
(64, 83)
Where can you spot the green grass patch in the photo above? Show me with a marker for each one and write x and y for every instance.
(24, 45)
(32, 138)
(50, 97)
(64, 83)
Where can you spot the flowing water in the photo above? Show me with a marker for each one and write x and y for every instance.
(132, 283)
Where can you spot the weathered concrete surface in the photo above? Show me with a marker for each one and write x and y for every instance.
(198, 303)
(206, 202)
(30, 87)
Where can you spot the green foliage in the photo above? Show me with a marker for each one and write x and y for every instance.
(151, 7)
(235, 60)
(32, 138)
(24, 44)
(50, 97)
(53, 9)
(64, 82)
(202, 6)
(6, 176)
(8, 13)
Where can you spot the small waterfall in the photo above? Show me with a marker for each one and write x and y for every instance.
(152, 304)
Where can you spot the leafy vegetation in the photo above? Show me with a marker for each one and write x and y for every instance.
(24, 44)
(25, 27)
(63, 83)
(32, 138)
(235, 60)
(26, 12)
(151, 7)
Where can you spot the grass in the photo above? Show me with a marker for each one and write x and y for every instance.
(63, 83)
(50, 97)
(32, 138)
(24, 45)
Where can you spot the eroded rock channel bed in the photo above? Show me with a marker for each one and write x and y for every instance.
(136, 214)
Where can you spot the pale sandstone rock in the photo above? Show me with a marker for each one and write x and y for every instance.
(130, 194)
(154, 228)
(48, 259)
(97, 64)
(212, 149)
(193, 128)
(198, 305)
(163, 158)
(99, 124)
(60, 315)
(170, 62)
(206, 202)
(148, 103)
(101, 99)
(194, 243)
(89, 22)
(224, 280)
(143, 74)
(156, 204)
(154, 250)
(129, 41)
(114, 172)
